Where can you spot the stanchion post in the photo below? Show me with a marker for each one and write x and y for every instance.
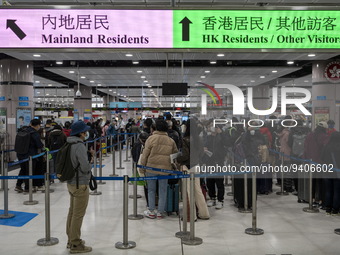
(30, 184)
(105, 154)
(184, 232)
(120, 152)
(127, 148)
(6, 215)
(48, 171)
(310, 208)
(282, 192)
(48, 240)
(245, 208)
(95, 192)
(125, 244)
(232, 177)
(101, 166)
(113, 153)
(2, 173)
(191, 239)
(254, 230)
(135, 216)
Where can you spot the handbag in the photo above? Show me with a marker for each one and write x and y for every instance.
(93, 183)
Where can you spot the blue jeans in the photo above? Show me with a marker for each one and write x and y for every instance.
(162, 192)
(332, 193)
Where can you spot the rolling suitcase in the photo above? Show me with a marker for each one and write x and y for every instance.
(172, 201)
(239, 191)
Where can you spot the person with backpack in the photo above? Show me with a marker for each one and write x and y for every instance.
(172, 133)
(296, 141)
(28, 143)
(47, 130)
(73, 159)
(314, 145)
(56, 140)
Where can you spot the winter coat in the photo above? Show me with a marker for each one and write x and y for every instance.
(67, 132)
(251, 145)
(58, 136)
(79, 157)
(156, 153)
(285, 148)
(314, 144)
(332, 147)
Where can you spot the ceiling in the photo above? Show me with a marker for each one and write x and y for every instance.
(139, 76)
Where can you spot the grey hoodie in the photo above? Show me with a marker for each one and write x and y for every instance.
(79, 156)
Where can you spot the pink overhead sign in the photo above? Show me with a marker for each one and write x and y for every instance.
(52, 28)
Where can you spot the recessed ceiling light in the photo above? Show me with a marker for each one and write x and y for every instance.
(82, 77)
(124, 96)
(311, 55)
(145, 81)
(202, 77)
(59, 62)
(118, 94)
(38, 92)
(99, 84)
(52, 100)
(110, 89)
(207, 71)
(274, 71)
(252, 81)
(128, 55)
(262, 76)
(92, 81)
(139, 71)
(69, 90)
(37, 81)
(142, 77)
(50, 85)
(290, 62)
(135, 62)
(149, 86)
(71, 71)
(220, 55)
(47, 94)
(37, 55)
(212, 62)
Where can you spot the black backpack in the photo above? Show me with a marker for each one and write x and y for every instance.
(64, 168)
(22, 141)
(56, 142)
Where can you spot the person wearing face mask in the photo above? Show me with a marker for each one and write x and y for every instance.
(251, 140)
(331, 128)
(79, 194)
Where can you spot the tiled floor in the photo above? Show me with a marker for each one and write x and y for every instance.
(288, 230)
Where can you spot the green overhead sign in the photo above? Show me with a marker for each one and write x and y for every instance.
(256, 29)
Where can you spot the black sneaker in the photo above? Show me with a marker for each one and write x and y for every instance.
(19, 189)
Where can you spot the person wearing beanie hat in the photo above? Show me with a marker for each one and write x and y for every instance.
(79, 194)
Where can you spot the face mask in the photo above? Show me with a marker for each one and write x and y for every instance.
(87, 135)
(212, 129)
(252, 132)
(330, 126)
(208, 133)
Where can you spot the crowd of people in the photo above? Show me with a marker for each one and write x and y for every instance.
(200, 142)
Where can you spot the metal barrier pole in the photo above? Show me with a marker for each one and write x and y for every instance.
(120, 153)
(282, 192)
(113, 153)
(30, 183)
(125, 244)
(48, 171)
(127, 149)
(95, 192)
(135, 216)
(101, 167)
(134, 173)
(191, 239)
(232, 177)
(254, 230)
(48, 240)
(105, 154)
(2, 173)
(310, 208)
(6, 215)
(245, 208)
(184, 232)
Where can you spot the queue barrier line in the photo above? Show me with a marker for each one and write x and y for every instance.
(159, 170)
(300, 159)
